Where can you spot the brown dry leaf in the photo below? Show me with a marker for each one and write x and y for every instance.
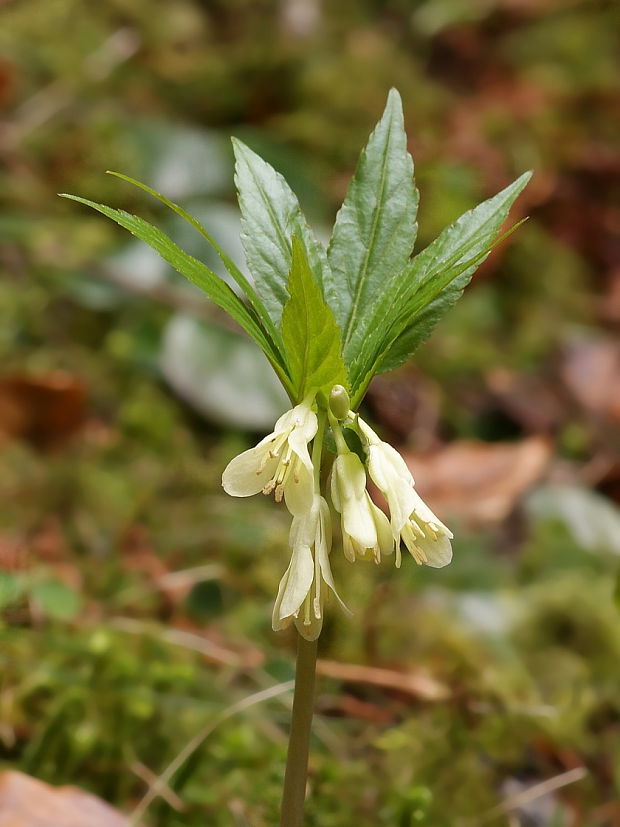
(591, 371)
(45, 410)
(419, 684)
(13, 554)
(28, 802)
(348, 706)
(529, 399)
(479, 482)
(609, 307)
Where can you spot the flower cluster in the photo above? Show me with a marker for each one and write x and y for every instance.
(282, 463)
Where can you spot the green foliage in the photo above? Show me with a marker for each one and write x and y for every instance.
(49, 597)
(436, 277)
(270, 216)
(310, 333)
(226, 260)
(383, 303)
(428, 286)
(375, 229)
(197, 272)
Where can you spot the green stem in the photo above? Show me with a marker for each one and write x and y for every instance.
(341, 444)
(292, 812)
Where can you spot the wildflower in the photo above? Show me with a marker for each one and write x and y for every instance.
(280, 462)
(301, 594)
(425, 536)
(365, 528)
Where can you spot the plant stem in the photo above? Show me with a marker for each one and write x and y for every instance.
(294, 793)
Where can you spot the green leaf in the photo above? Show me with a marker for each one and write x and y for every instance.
(449, 263)
(375, 228)
(56, 599)
(200, 275)
(429, 285)
(226, 260)
(270, 216)
(311, 335)
(12, 588)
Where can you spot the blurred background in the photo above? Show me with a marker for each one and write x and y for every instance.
(135, 597)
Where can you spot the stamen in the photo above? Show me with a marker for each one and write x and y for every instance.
(431, 531)
(418, 554)
(347, 547)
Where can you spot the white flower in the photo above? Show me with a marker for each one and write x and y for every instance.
(301, 594)
(280, 462)
(365, 528)
(426, 537)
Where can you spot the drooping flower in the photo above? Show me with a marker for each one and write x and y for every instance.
(280, 462)
(426, 537)
(365, 528)
(301, 593)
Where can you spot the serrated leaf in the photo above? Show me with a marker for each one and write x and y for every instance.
(429, 285)
(270, 216)
(311, 335)
(200, 275)
(226, 260)
(375, 228)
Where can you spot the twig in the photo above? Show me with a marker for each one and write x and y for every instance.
(534, 793)
(177, 636)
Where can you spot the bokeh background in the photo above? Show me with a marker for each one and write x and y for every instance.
(135, 597)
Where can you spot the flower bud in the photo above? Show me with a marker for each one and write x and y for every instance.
(339, 402)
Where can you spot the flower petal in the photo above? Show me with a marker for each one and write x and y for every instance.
(425, 515)
(437, 551)
(243, 476)
(391, 476)
(350, 479)
(294, 586)
(299, 490)
(322, 546)
(385, 535)
(309, 628)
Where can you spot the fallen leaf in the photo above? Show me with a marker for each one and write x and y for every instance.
(529, 399)
(28, 802)
(44, 410)
(479, 482)
(13, 554)
(609, 307)
(591, 371)
(418, 684)
(348, 706)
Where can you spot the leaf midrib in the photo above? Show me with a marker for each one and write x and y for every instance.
(275, 223)
(361, 281)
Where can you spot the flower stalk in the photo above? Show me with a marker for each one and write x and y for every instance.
(296, 774)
